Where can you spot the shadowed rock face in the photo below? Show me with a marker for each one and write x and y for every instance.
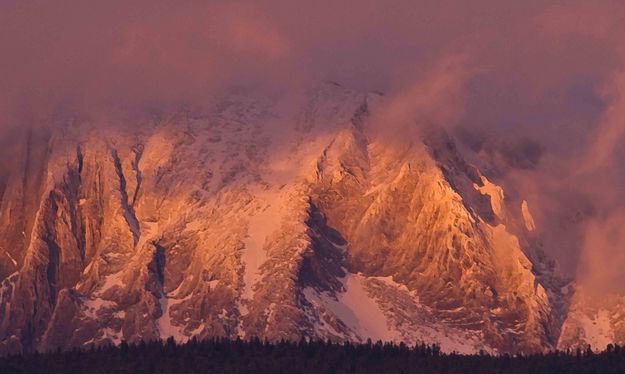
(265, 219)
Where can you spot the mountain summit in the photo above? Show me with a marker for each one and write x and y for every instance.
(278, 218)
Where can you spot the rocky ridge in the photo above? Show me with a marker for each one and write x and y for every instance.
(282, 218)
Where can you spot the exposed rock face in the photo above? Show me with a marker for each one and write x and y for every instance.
(269, 218)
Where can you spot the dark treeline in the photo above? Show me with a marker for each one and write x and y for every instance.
(255, 356)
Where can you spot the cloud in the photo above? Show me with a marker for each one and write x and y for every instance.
(601, 265)
(80, 57)
(608, 136)
(431, 95)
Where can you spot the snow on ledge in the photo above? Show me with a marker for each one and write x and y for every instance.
(356, 309)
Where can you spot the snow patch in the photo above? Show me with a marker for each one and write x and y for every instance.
(597, 329)
(356, 309)
(213, 284)
(111, 280)
(164, 323)
(527, 216)
(112, 335)
(261, 225)
(391, 282)
(148, 230)
(495, 193)
(365, 317)
(88, 268)
(93, 306)
(5, 286)
(10, 257)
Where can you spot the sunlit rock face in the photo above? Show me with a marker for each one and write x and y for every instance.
(277, 218)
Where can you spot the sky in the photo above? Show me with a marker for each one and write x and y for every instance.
(534, 90)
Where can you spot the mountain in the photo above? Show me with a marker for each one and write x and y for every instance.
(273, 217)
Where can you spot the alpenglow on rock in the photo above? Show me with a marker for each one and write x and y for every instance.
(270, 218)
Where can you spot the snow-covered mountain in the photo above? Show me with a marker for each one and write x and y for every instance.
(271, 217)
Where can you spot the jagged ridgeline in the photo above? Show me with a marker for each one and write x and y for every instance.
(273, 218)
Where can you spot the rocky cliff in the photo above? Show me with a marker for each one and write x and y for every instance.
(270, 217)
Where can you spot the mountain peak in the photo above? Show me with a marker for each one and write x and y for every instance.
(219, 225)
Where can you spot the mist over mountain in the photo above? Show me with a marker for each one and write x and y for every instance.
(277, 169)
